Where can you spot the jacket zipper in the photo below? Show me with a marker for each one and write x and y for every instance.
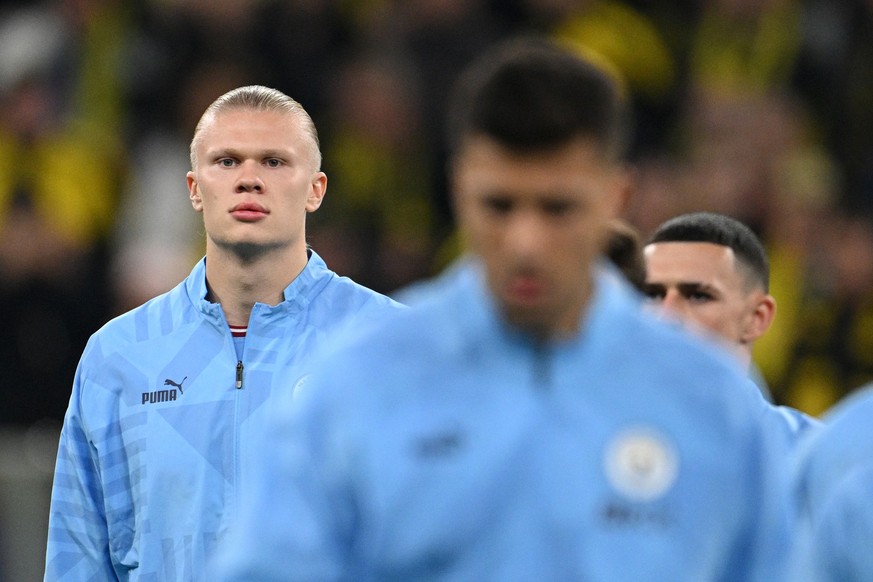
(239, 374)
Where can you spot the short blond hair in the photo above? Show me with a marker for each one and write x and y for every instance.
(257, 98)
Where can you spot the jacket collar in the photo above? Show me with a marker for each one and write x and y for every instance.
(298, 294)
(480, 316)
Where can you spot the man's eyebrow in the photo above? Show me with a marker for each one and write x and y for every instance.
(233, 152)
(682, 286)
(686, 287)
(275, 154)
(222, 153)
(496, 193)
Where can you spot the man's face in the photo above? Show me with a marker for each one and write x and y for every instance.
(538, 221)
(255, 181)
(701, 285)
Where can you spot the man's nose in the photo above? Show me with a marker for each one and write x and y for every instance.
(249, 179)
(526, 234)
(673, 302)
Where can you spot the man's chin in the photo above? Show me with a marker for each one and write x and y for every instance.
(533, 319)
(248, 251)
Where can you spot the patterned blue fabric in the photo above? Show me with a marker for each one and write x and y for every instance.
(157, 439)
(446, 446)
(834, 486)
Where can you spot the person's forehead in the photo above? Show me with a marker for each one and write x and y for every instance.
(244, 115)
(682, 262)
(573, 170)
(269, 129)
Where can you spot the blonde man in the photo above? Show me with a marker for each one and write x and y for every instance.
(169, 400)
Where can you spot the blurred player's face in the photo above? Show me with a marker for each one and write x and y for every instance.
(538, 221)
(700, 284)
(254, 182)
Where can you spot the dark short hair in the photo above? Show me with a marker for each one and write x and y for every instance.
(531, 94)
(719, 229)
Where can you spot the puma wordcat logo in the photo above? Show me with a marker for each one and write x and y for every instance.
(164, 395)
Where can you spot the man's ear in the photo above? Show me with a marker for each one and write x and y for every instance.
(624, 188)
(194, 192)
(761, 318)
(317, 190)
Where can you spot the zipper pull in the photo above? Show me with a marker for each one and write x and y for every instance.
(239, 371)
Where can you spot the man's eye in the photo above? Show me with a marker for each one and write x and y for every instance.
(226, 162)
(274, 163)
(498, 205)
(654, 294)
(557, 207)
(699, 296)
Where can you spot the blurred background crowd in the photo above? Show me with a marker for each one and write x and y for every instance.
(761, 109)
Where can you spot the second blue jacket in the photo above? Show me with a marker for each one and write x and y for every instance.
(447, 446)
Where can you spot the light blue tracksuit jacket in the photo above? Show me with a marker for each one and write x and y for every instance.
(446, 446)
(165, 421)
(834, 487)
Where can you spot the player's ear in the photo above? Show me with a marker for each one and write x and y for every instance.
(624, 185)
(761, 318)
(458, 200)
(194, 192)
(317, 190)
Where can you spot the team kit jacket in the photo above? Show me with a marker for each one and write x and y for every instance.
(446, 446)
(834, 488)
(165, 418)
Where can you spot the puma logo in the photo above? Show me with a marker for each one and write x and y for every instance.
(169, 382)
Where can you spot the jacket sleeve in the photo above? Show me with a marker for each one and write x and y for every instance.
(78, 541)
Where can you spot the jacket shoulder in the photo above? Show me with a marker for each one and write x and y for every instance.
(154, 319)
(344, 294)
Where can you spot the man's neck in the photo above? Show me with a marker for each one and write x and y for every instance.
(237, 285)
(744, 353)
